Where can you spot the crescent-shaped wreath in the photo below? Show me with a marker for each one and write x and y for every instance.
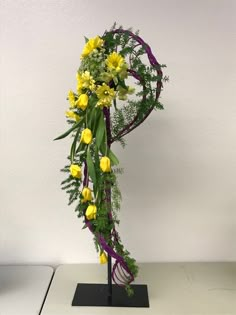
(103, 110)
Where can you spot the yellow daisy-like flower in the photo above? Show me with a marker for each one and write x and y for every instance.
(85, 81)
(105, 95)
(72, 115)
(71, 98)
(92, 44)
(115, 62)
(79, 83)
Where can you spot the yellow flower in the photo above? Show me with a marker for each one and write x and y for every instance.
(71, 98)
(91, 212)
(72, 115)
(86, 193)
(92, 44)
(105, 95)
(75, 171)
(105, 164)
(85, 81)
(115, 62)
(82, 101)
(103, 258)
(79, 83)
(122, 92)
(86, 136)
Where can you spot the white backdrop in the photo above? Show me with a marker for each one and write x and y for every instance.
(178, 188)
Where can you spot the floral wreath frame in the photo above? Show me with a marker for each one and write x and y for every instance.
(101, 82)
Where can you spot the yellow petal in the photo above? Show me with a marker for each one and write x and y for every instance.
(103, 258)
(105, 164)
(82, 101)
(86, 193)
(75, 171)
(91, 212)
(86, 136)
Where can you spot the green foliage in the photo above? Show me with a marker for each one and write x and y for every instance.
(107, 127)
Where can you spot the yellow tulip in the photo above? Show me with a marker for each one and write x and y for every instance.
(86, 193)
(86, 136)
(103, 258)
(105, 164)
(75, 171)
(91, 212)
(82, 101)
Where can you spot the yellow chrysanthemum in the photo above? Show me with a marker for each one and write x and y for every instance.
(71, 98)
(72, 115)
(105, 95)
(92, 44)
(85, 81)
(115, 62)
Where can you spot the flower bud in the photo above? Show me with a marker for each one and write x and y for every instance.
(75, 171)
(91, 212)
(86, 193)
(105, 164)
(103, 258)
(86, 136)
(131, 90)
(82, 101)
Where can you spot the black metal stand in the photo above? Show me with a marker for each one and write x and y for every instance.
(91, 294)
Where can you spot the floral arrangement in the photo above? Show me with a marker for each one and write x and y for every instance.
(103, 109)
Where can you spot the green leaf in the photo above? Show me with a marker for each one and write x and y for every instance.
(100, 132)
(86, 39)
(122, 84)
(92, 119)
(97, 160)
(113, 158)
(73, 146)
(91, 168)
(103, 148)
(76, 125)
(81, 148)
(93, 100)
(84, 227)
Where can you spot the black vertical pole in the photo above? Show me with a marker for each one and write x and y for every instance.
(106, 112)
(109, 279)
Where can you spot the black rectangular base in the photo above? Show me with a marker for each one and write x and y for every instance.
(91, 294)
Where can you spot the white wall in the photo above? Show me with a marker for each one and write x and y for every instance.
(179, 200)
